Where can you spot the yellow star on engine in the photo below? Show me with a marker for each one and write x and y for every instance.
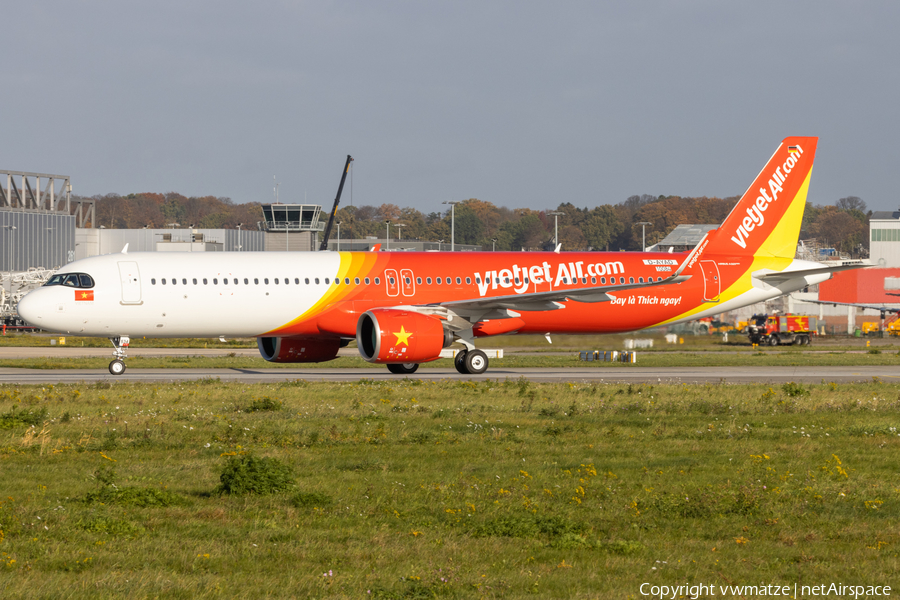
(403, 336)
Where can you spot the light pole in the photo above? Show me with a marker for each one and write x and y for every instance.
(239, 246)
(339, 236)
(556, 214)
(493, 244)
(387, 236)
(643, 225)
(452, 204)
(398, 226)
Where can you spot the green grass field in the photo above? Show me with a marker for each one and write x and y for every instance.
(454, 489)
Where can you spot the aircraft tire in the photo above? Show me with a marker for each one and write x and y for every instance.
(476, 362)
(403, 368)
(460, 363)
(117, 367)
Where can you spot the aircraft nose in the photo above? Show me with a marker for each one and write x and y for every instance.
(29, 308)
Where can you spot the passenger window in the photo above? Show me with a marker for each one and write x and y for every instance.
(640, 279)
(603, 280)
(326, 281)
(174, 281)
(255, 281)
(246, 281)
(458, 281)
(505, 280)
(439, 281)
(86, 281)
(164, 281)
(419, 280)
(215, 281)
(204, 281)
(153, 282)
(347, 280)
(565, 280)
(287, 281)
(297, 281)
(195, 281)
(593, 280)
(392, 280)
(428, 280)
(621, 280)
(366, 280)
(184, 281)
(497, 280)
(356, 281)
(469, 280)
(378, 281)
(306, 280)
(265, 280)
(407, 281)
(317, 281)
(276, 281)
(526, 280)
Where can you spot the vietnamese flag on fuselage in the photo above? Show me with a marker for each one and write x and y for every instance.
(84, 295)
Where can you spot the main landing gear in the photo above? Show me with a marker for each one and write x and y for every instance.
(403, 368)
(471, 362)
(117, 366)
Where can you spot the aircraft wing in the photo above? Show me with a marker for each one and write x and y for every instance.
(539, 301)
(832, 266)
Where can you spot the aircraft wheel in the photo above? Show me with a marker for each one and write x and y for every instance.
(460, 363)
(476, 362)
(117, 367)
(403, 368)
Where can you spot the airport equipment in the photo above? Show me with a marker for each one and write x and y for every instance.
(782, 329)
(337, 200)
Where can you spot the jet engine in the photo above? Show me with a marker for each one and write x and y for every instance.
(298, 349)
(386, 335)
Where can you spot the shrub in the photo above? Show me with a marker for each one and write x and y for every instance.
(311, 500)
(17, 418)
(263, 404)
(109, 493)
(246, 474)
(794, 389)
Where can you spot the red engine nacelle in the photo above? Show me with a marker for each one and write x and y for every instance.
(386, 335)
(298, 349)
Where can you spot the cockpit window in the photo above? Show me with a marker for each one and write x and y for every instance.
(76, 280)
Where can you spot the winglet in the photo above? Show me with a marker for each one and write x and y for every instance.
(125, 249)
(558, 248)
(375, 248)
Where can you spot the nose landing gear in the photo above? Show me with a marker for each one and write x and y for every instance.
(117, 366)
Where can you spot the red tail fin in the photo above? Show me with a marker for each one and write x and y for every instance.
(766, 220)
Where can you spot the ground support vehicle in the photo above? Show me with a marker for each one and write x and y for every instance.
(772, 330)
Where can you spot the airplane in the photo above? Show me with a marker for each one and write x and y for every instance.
(404, 308)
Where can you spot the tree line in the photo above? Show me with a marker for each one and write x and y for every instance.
(843, 225)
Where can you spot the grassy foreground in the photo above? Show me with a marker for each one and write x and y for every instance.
(453, 489)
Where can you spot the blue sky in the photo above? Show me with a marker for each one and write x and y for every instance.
(523, 104)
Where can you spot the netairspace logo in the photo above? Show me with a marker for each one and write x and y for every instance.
(834, 590)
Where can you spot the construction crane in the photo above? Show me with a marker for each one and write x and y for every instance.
(337, 200)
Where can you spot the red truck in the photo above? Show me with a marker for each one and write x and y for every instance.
(781, 329)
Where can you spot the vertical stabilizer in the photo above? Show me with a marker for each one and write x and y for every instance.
(766, 221)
